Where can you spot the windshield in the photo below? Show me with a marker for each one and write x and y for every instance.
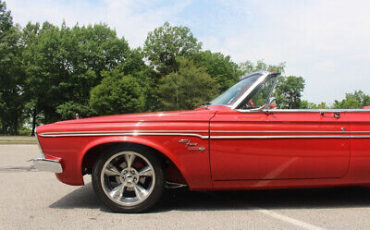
(231, 95)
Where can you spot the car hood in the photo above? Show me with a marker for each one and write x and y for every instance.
(200, 114)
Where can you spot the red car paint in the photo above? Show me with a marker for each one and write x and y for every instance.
(216, 147)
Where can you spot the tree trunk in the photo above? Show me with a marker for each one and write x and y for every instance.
(3, 129)
(34, 115)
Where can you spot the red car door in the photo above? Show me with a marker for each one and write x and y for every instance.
(278, 145)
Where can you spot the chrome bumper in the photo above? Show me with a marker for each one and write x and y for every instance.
(43, 164)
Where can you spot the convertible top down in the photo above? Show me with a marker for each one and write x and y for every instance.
(238, 141)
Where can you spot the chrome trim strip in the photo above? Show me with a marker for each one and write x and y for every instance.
(305, 110)
(122, 134)
(125, 131)
(160, 133)
(197, 131)
(290, 137)
(283, 131)
(43, 164)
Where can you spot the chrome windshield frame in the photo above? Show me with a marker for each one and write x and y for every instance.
(262, 78)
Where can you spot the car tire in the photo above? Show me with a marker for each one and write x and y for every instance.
(128, 179)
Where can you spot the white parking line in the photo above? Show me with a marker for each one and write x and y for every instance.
(289, 220)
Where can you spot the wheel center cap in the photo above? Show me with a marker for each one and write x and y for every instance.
(129, 178)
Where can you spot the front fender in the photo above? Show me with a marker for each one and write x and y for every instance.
(193, 164)
(131, 139)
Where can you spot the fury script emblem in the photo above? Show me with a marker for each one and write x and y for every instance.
(191, 146)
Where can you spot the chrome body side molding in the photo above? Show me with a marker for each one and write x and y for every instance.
(285, 131)
(291, 137)
(190, 134)
(78, 134)
(321, 111)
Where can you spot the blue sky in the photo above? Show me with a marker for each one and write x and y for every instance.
(326, 42)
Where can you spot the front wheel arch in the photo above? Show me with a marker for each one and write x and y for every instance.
(93, 152)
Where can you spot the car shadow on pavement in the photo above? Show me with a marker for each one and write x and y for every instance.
(185, 200)
(82, 197)
(267, 199)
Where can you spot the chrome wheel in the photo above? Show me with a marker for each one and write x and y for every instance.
(127, 178)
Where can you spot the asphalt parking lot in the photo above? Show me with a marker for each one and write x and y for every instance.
(36, 200)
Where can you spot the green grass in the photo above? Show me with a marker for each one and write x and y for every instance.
(17, 140)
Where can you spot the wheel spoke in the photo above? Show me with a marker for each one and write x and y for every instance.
(111, 170)
(147, 171)
(140, 192)
(123, 165)
(129, 157)
(117, 192)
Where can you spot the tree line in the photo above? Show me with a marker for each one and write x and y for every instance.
(49, 73)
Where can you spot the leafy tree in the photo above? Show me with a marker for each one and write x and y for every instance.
(355, 100)
(165, 43)
(250, 67)
(147, 78)
(87, 51)
(36, 83)
(11, 75)
(24, 131)
(288, 92)
(309, 105)
(117, 93)
(71, 109)
(44, 70)
(187, 88)
(6, 22)
(63, 64)
(220, 67)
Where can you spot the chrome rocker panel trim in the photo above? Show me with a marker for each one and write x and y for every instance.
(47, 165)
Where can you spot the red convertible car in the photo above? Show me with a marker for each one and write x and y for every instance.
(238, 141)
